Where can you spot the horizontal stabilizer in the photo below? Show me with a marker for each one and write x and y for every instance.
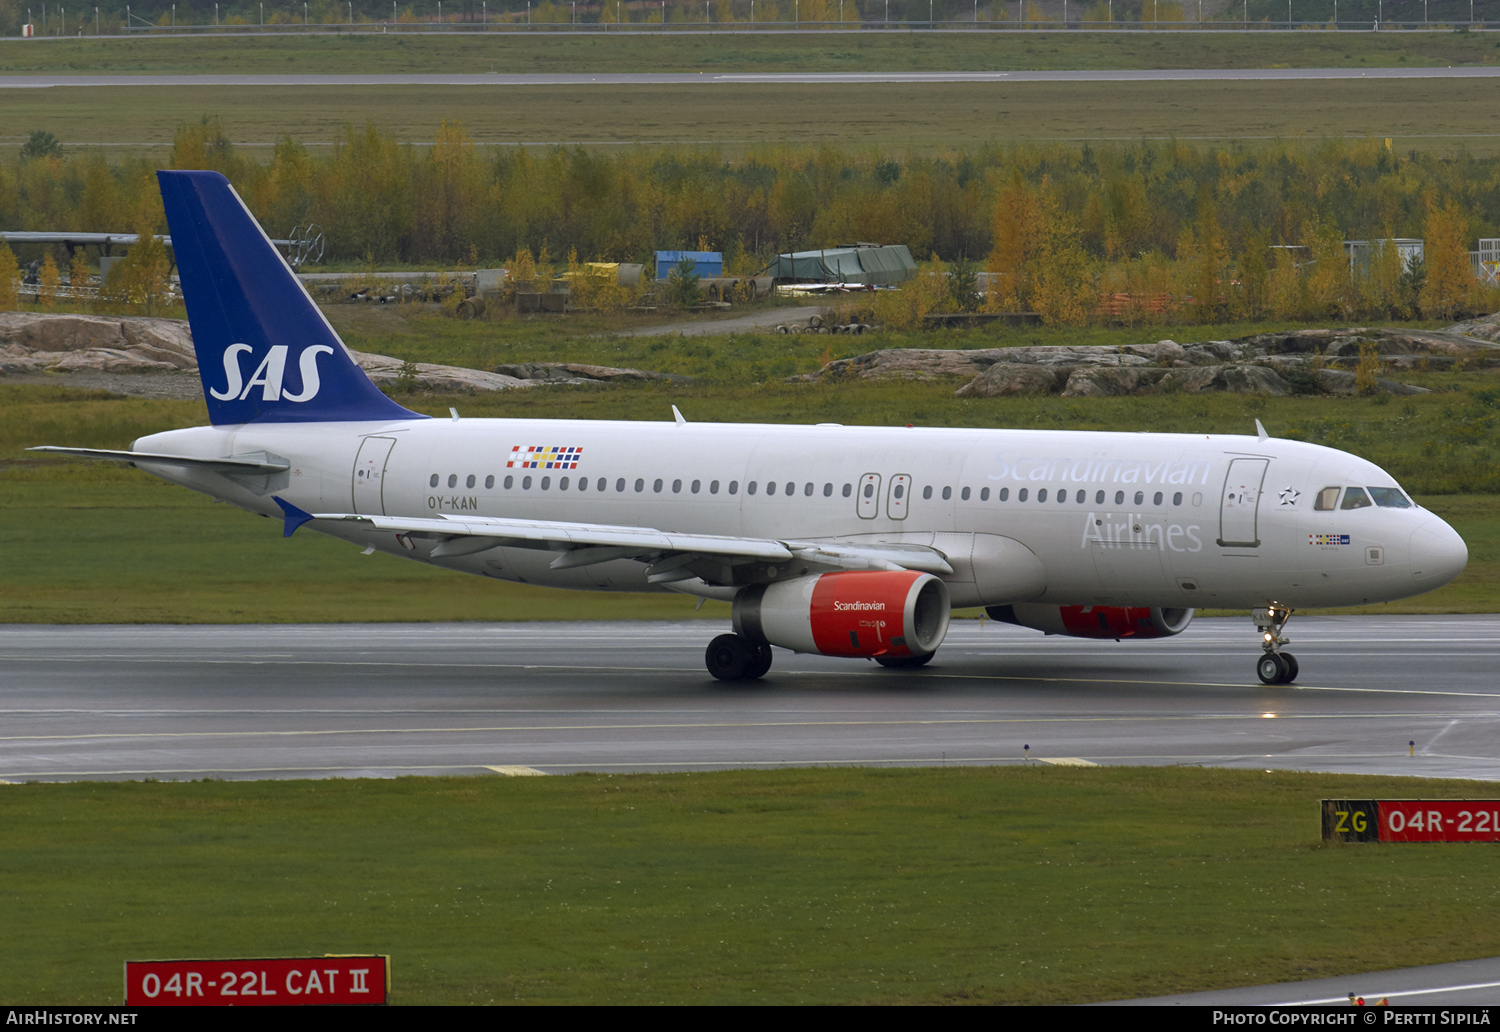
(231, 464)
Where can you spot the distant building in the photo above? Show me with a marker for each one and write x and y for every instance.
(875, 265)
(707, 264)
(1360, 252)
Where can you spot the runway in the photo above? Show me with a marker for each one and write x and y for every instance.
(365, 700)
(492, 79)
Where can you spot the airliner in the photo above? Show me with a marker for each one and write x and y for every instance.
(851, 541)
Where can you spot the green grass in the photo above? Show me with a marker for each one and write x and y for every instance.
(1444, 115)
(962, 885)
(511, 53)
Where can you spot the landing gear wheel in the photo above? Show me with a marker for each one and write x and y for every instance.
(761, 664)
(732, 658)
(1273, 668)
(1291, 667)
(904, 662)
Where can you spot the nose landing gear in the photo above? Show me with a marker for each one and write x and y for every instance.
(1275, 667)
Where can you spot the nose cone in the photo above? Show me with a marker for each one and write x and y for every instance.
(1438, 554)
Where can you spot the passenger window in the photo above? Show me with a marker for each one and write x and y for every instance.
(1389, 498)
(452, 479)
(870, 490)
(947, 493)
(1156, 498)
(677, 487)
(489, 482)
(964, 494)
(1021, 495)
(1140, 496)
(900, 490)
(583, 483)
(807, 491)
(1119, 497)
(927, 492)
(1328, 499)
(1099, 498)
(696, 485)
(827, 490)
(1355, 498)
(620, 484)
(984, 494)
(1062, 496)
(713, 487)
(749, 488)
(640, 485)
(470, 481)
(656, 486)
(790, 490)
(509, 481)
(546, 483)
(434, 481)
(1004, 494)
(1177, 498)
(770, 487)
(847, 489)
(734, 487)
(562, 485)
(525, 483)
(1041, 495)
(600, 486)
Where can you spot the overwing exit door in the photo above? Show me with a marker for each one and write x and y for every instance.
(369, 475)
(1239, 503)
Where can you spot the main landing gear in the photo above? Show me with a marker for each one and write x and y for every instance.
(1275, 667)
(732, 658)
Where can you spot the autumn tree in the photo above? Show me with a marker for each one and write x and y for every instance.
(48, 280)
(1450, 278)
(1064, 287)
(1017, 236)
(10, 273)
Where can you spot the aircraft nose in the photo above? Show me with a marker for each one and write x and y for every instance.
(1438, 554)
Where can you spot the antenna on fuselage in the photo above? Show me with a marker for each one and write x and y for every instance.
(1260, 431)
(678, 416)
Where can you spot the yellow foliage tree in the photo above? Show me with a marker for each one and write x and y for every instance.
(49, 279)
(10, 272)
(79, 275)
(922, 295)
(1450, 278)
(1017, 234)
(1064, 290)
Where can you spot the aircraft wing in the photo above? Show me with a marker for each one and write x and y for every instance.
(673, 556)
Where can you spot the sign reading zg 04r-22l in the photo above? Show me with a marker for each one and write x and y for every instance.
(271, 982)
(1411, 820)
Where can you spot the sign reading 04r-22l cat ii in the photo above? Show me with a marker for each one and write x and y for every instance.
(263, 982)
(1411, 820)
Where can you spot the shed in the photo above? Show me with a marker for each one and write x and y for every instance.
(865, 264)
(707, 264)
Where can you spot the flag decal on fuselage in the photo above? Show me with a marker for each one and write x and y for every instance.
(549, 456)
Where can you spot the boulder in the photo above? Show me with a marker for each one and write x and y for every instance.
(1111, 383)
(1005, 379)
(575, 372)
(382, 369)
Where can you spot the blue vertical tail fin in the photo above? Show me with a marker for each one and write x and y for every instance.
(265, 351)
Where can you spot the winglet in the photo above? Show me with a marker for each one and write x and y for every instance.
(295, 517)
(678, 416)
(1260, 431)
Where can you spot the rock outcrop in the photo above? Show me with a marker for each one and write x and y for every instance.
(1274, 364)
(32, 342)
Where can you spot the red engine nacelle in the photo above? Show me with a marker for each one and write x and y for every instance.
(1096, 621)
(895, 614)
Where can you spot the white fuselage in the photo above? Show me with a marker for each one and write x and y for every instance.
(1171, 520)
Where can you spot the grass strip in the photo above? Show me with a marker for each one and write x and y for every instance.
(930, 885)
(784, 52)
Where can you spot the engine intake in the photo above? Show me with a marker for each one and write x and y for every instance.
(1096, 621)
(874, 613)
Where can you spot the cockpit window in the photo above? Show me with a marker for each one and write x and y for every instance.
(1328, 500)
(1389, 498)
(1355, 498)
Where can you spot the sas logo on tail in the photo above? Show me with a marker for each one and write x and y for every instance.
(269, 373)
